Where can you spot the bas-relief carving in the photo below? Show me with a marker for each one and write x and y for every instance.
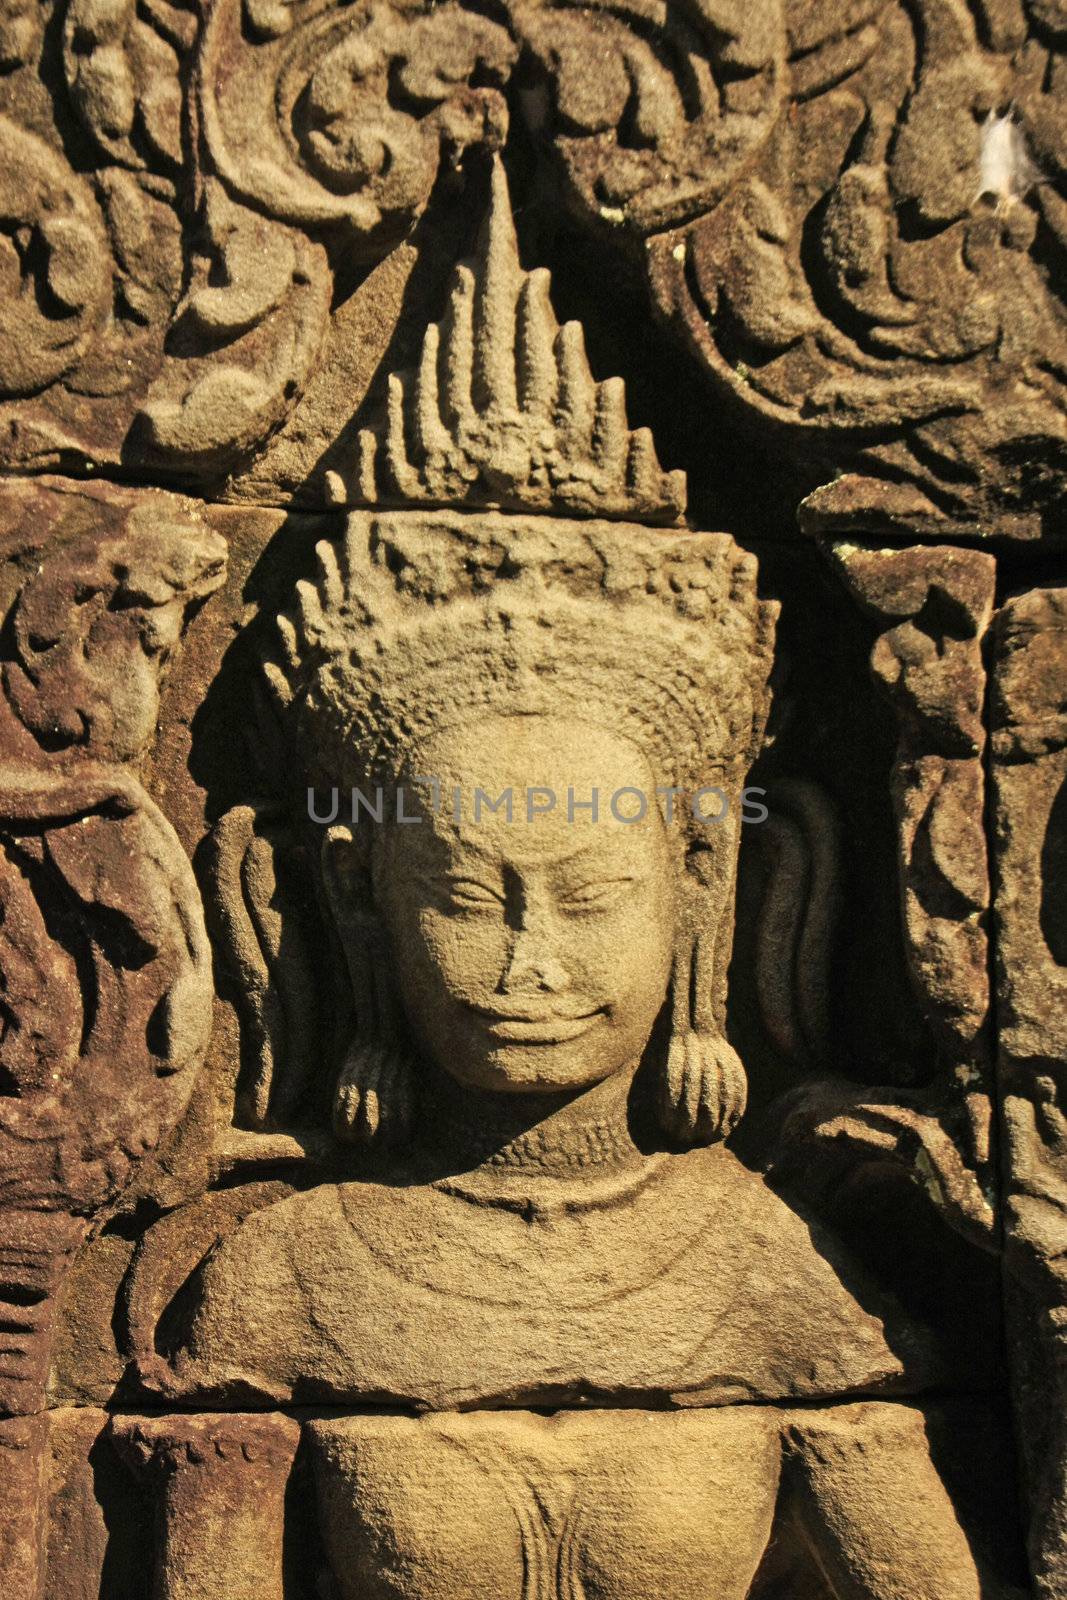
(931, 608)
(534, 1083)
(478, 1085)
(872, 280)
(851, 219)
(1029, 769)
(106, 965)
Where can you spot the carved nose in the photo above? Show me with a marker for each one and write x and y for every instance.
(532, 967)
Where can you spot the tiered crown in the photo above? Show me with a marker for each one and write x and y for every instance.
(503, 411)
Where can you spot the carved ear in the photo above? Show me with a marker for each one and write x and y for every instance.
(373, 1101)
(260, 910)
(798, 917)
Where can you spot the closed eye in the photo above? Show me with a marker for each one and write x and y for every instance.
(468, 892)
(593, 896)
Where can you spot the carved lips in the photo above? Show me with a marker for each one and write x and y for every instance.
(537, 1024)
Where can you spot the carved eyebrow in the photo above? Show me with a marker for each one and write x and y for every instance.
(457, 848)
(441, 852)
(601, 852)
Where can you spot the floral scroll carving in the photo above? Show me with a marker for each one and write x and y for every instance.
(851, 220)
(420, 1173)
(672, 113)
(54, 254)
(105, 1001)
(121, 68)
(876, 275)
(106, 996)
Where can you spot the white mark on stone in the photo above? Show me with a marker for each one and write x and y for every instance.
(1006, 171)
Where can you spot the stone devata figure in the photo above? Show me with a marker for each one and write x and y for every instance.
(544, 1332)
(533, 1037)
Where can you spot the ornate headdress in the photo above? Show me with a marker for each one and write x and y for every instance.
(427, 615)
(424, 616)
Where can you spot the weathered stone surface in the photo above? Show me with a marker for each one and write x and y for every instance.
(623, 1503)
(502, 1089)
(1030, 770)
(931, 607)
(301, 1299)
(22, 1544)
(106, 962)
(219, 1486)
(851, 219)
(871, 285)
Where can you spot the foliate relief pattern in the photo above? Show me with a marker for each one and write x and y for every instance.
(932, 608)
(854, 219)
(177, 286)
(111, 230)
(322, 129)
(882, 272)
(336, 115)
(120, 63)
(1030, 784)
(93, 630)
(106, 999)
(655, 117)
(355, 108)
(53, 264)
(89, 234)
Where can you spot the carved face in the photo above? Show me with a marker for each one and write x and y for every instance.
(531, 954)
